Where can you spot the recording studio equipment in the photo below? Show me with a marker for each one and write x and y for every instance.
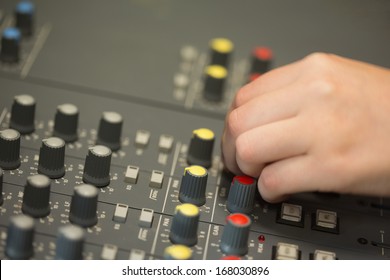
(111, 117)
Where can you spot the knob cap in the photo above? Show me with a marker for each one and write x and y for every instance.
(110, 130)
(193, 185)
(215, 79)
(177, 252)
(201, 147)
(97, 166)
(23, 114)
(184, 229)
(10, 45)
(230, 258)
(220, 51)
(24, 15)
(36, 198)
(1, 187)
(261, 60)
(234, 240)
(84, 205)
(9, 149)
(241, 195)
(52, 157)
(66, 122)
(70, 242)
(20, 235)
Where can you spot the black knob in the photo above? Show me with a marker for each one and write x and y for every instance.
(36, 197)
(84, 205)
(70, 242)
(66, 122)
(214, 84)
(20, 235)
(261, 60)
(193, 185)
(10, 45)
(52, 157)
(220, 51)
(177, 252)
(23, 114)
(184, 229)
(1, 186)
(9, 149)
(110, 130)
(201, 147)
(24, 15)
(97, 166)
(234, 240)
(241, 195)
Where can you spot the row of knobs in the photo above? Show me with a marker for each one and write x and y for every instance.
(12, 36)
(69, 242)
(241, 196)
(70, 238)
(192, 191)
(36, 200)
(20, 235)
(97, 164)
(109, 130)
(65, 122)
(216, 72)
(52, 158)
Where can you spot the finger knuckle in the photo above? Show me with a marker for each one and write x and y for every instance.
(244, 149)
(322, 85)
(233, 123)
(321, 79)
(319, 59)
(241, 96)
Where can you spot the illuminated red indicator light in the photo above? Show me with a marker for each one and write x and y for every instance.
(231, 258)
(261, 238)
(238, 219)
(245, 180)
(262, 53)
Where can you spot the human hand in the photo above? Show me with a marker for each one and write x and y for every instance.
(319, 124)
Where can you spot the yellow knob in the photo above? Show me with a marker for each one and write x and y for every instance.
(177, 252)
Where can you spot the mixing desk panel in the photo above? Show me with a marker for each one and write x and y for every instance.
(111, 116)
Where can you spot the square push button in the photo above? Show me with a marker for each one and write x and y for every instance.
(156, 179)
(142, 138)
(323, 255)
(286, 251)
(109, 252)
(290, 214)
(146, 218)
(326, 221)
(120, 214)
(136, 254)
(131, 175)
(165, 143)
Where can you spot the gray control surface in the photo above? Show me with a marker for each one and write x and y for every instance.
(145, 61)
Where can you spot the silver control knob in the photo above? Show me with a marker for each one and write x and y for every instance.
(9, 149)
(52, 157)
(20, 235)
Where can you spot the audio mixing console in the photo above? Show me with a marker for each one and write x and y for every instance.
(111, 114)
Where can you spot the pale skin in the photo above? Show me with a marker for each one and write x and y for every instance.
(319, 124)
